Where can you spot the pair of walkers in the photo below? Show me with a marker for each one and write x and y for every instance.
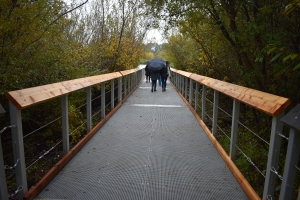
(155, 75)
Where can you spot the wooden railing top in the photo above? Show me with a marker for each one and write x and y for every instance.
(129, 71)
(30, 96)
(268, 103)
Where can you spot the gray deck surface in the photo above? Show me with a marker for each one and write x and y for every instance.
(152, 148)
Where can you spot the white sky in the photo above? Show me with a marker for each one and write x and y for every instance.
(155, 35)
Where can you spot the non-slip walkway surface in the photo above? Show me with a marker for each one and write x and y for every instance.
(151, 149)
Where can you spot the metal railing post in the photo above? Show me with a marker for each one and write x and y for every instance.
(3, 185)
(18, 149)
(196, 97)
(125, 85)
(290, 171)
(102, 100)
(129, 83)
(186, 87)
(273, 157)
(191, 92)
(89, 109)
(119, 89)
(182, 84)
(234, 128)
(292, 119)
(112, 94)
(215, 113)
(203, 101)
(65, 124)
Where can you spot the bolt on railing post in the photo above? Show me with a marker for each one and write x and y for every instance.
(215, 113)
(186, 87)
(273, 156)
(3, 185)
(65, 124)
(18, 149)
(102, 100)
(234, 128)
(119, 89)
(89, 109)
(191, 92)
(203, 101)
(196, 97)
(112, 94)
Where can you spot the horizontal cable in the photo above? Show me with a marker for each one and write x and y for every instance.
(250, 161)
(96, 97)
(20, 188)
(11, 126)
(96, 113)
(209, 100)
(223, 132)
(253, 132)
(276, 172)
(8, 167)
(40, 157)
(208, 116)
(41, 127)
(225, 112)
(77, 108)
(78, 127)
(283, 136)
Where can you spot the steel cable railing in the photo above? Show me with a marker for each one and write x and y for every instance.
(123, 85)
(275, 107)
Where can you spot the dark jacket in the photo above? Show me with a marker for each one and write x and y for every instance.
(164, 72)
(147, 70)
(154, 75)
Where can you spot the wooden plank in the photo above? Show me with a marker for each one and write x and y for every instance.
(268, 103)
(129, 71)
(183, 73)
(30, 96)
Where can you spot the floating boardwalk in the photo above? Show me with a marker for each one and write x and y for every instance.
(152, 148)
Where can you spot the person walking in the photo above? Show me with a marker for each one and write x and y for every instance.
(154, 77)
(147, 73)
(164, 76)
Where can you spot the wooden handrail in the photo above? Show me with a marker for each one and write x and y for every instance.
(27, 97)
(271, 104)
(129, 71)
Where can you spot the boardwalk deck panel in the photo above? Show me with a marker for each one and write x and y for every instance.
(151, 148)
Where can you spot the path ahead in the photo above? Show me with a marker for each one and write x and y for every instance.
(152, 148)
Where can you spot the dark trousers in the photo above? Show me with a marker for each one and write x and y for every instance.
(163, 82)
(154, 84)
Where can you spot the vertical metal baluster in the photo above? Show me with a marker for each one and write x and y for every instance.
(186, 87)
(196, 97)
(203, 102)
(102, 100)
(119, 89)
(215, 112)
(125, 85)
(234, 128)
(191, 92)
(18, 149)
(112, 94)
(89, 109)
(290, 171)
(3, 185)
(273, 156)
(65, 124)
